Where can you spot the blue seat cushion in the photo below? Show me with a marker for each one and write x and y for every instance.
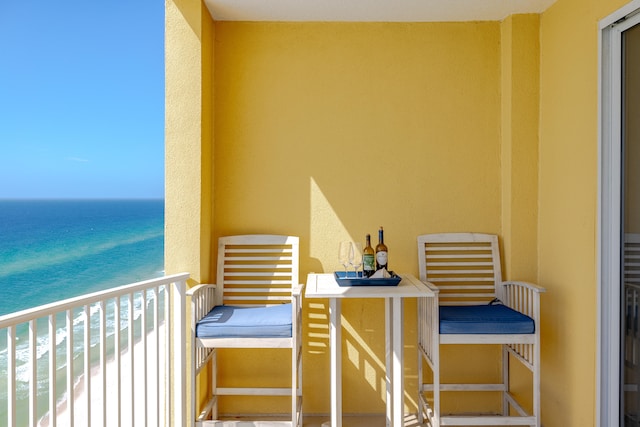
(484, 319)
(228, 321)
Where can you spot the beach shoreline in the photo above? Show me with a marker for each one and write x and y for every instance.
(131, 403)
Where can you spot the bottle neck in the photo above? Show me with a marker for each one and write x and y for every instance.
(381, 236)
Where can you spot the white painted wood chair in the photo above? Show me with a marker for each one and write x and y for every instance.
(474, 306)
(256, 303)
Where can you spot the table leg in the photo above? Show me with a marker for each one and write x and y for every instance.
(394, 320)
(397, 376)
(388, 337)
(335, 346)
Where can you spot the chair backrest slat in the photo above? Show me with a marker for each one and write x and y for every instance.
(251, 300)
(465, 266)
(257, 269)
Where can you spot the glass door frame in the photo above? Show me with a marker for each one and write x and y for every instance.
(609, 245)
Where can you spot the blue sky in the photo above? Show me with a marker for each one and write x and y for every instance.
(81, 99)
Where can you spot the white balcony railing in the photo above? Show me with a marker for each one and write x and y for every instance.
(111, 358)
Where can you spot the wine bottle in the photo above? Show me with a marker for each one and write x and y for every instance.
(368, 259)
(382, 254)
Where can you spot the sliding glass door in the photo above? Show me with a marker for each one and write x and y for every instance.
(618, 369)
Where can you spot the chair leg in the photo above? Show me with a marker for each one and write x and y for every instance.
(436, 388)
(536, 385)
(299, 398)
(420, 380)
(296, 384)
(505, 380)
(214, 384)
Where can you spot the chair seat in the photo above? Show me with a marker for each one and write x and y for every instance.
(484, 319)
(228, 321)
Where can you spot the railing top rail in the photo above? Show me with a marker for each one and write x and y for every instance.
(82, 300)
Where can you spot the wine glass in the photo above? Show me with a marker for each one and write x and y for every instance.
(343, 255)
(355, 256)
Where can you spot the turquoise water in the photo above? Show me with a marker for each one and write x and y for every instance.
(55, 249)
(51, 250)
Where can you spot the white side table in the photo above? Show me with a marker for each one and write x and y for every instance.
(325, 286)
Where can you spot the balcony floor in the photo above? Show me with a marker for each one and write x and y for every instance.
(347, 420)
(358, 421)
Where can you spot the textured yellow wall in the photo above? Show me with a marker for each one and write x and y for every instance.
(381, 124)
(568, 208)
(520, 58)
(329, 130)
(188, 141)
(188, 138)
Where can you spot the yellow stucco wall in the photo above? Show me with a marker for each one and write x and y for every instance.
(328, 131)
(568, 175)
(520, 95)
(188, 138)
(520, 83)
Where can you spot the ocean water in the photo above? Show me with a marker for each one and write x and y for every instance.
(56, 249)
(51, 250)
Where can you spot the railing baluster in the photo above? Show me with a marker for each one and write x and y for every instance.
(167, 354)
(143, 327)
(33, 378)
(117, 358)
(87, 361)
(179, 352)
(131, 338)
(156, 306)
(70, 394)
(102, 306)
(11, 373)
(53, 409)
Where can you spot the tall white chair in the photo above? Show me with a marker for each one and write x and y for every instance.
(474, 306)
(256, 303)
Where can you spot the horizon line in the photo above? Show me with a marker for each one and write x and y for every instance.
(77, 198)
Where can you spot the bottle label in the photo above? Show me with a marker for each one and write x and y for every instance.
(381, 257)
(369, 262)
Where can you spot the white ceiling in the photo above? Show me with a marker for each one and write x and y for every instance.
(372, 10)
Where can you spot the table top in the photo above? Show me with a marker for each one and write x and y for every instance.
(325, 286)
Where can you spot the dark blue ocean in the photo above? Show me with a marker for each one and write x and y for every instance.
(56, 249)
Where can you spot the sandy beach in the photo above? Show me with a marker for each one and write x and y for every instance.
(132, 407)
